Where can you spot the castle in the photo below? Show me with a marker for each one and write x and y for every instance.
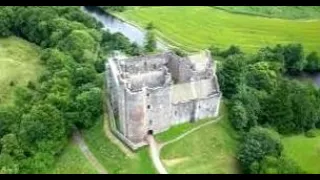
(149, 94)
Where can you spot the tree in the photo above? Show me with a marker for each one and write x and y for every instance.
(274, 165)
(89, 104)
(277, 109)
(6, 15)
(231, 75)
(150, 26)
(9, 119)
(150, 42)
(76, 43)
(238, 115)
(262, 76)
(294, 58)
(37, 163)
(83, 74)
(10, 146)
(257, 144)
(232, 50)
(313, 62)
(248, 115)
(8, 165)
(42, 128)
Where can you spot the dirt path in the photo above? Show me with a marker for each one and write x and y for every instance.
(77, 137)
(155, 156)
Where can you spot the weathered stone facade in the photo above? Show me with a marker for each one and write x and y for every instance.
(149, 94)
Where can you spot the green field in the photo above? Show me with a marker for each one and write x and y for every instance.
(195, 28)
(209, 150)
(19, 63)
(288, 12)
(304, 151)
(72, 161)
(112, 158)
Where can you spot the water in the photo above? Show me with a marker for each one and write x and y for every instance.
(314, 77)
(113, 24)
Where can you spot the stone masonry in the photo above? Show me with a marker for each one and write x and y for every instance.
(149, 94)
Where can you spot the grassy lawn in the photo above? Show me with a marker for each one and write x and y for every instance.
(72, 161)
(305, 151)
(19, 63)
(194, 28)
(208, 150)
(288, 12)
(112, 158)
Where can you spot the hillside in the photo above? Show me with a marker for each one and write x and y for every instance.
(19, 64)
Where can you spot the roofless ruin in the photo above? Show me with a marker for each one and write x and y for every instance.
(149, 94)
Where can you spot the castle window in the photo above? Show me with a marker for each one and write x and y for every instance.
(175, 113)
(148, 106)
(150, 122)
(148, 94)
(154, 66)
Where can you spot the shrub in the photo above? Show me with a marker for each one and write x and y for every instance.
(311, 133)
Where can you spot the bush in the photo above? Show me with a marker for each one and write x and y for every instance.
(179, 52)
(311, 133)
(12, 83)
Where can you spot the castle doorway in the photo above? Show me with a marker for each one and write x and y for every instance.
(150, 132)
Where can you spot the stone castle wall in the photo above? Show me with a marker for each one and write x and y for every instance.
(153, 93)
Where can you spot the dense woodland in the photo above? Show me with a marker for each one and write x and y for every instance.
(264, 100)
(36, 127)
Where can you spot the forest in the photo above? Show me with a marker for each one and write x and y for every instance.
(35, 128)
(266, 101)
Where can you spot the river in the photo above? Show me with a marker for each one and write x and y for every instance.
(314, 77)
(114, 24)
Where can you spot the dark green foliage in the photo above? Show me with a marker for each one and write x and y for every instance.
(238, 115)
(179, 52)
(257, 144)
(245, 108)
(6, 15)
(42, 129)
(232, 75)
(313, 62)
(114, 8)
(68, 93)
(12, 83)
(292, 107)
(293, 58)
(262, 76)
(311, 133)
(274, 165)
(150, 26)
(31, 85)
(232, 50)
(150, 42)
